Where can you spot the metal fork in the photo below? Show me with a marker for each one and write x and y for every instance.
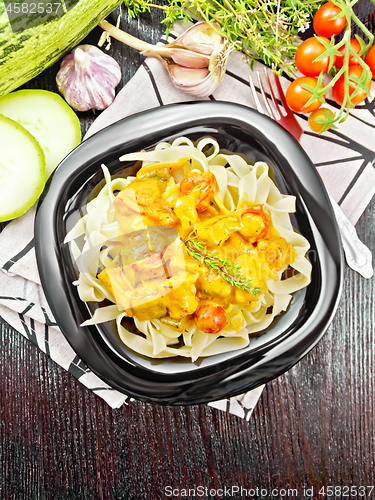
(357, 255)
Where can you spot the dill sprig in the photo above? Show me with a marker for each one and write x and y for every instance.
(230, 272)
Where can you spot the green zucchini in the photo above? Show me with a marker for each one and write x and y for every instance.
(48, 118)
(26, 53)
(22, 169)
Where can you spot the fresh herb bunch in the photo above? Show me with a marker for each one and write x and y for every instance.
(230, 272)
(262, 29)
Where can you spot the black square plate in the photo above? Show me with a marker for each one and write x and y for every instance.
(240, 130)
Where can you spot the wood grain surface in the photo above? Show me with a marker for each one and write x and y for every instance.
(313, 427)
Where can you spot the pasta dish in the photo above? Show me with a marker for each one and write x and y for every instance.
(197, 248)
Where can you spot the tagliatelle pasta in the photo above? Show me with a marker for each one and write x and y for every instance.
(217, 249)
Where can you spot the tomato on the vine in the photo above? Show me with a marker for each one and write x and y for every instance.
(370, 60)
(356, 46)
(307, 52)
(338, 90)
(323, 23)
(297, 97)
(316, 118)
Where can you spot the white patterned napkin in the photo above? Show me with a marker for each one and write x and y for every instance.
(344, 158)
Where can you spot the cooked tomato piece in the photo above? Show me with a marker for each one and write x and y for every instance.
(257, 210)
(210, 318)
(161, 212)
(205, 183)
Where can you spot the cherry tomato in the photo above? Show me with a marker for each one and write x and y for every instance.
(338, 89)
(207, 185)
(297, 97)
(370, 60)
(307, 52)
(323, 23)
(316, 116)
(210, 318)
(356, 46)
(257, 210)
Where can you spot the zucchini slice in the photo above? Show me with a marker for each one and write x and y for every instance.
(22, 169)
(48, 118)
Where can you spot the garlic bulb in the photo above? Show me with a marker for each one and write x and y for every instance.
(196, 61)
(87, 78)
(200, 81)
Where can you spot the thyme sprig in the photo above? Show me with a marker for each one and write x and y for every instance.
(231, 273)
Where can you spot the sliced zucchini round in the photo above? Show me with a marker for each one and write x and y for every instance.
(48, 118)
(22, 169)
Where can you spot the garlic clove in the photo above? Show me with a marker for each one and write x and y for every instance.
(199, 82)
(189, 58)
(187, 76)
(201, 37)
(87, 78)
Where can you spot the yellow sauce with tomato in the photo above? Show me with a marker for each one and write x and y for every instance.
(153, 211)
